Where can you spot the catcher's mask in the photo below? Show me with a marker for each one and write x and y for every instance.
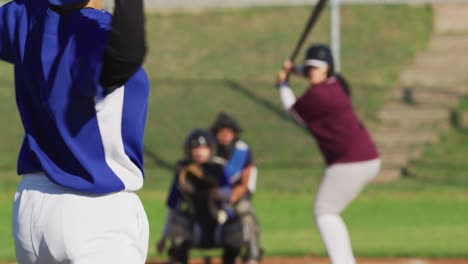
(199, 138)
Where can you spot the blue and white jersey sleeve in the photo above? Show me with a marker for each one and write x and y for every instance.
(240, 159)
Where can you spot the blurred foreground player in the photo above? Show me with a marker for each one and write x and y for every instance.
(82, 97)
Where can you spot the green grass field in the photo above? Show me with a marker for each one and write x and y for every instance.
(445, 162)
(201, 63)
(403, 219)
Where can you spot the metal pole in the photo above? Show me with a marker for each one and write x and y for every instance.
(335, 32)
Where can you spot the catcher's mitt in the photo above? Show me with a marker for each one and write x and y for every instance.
(194, 178)
(198, 185)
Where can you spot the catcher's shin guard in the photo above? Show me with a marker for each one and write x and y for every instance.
(181, 228)
(230, 255)
(178, 254)
(231, 234)
(251, 237)
(250, 229)
(181, 234)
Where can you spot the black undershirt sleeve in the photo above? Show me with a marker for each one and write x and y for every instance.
(126, 48)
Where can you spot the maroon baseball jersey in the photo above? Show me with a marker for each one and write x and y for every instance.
(328, 113)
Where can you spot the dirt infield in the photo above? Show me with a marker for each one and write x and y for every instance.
(315, 260)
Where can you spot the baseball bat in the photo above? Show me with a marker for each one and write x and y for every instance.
(308, 27)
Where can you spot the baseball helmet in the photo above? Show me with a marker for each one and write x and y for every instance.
(65, 2)
(319, 55)
(199, 138)
(225, 121)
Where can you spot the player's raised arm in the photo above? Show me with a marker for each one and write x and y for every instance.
(126, 48)
(288, 99)
(286, 94)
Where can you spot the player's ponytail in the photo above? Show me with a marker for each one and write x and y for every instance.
(344, 84)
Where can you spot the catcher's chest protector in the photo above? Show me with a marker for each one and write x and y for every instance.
(198, 184)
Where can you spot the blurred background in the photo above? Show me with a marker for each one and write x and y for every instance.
(407, 62)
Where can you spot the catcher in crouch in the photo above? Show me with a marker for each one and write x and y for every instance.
(198, 204)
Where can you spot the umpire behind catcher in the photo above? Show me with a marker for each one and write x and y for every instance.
(198, 204)
(82, 97)
(242, 175)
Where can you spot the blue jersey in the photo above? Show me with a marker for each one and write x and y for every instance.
(240, 158)
(79, 134)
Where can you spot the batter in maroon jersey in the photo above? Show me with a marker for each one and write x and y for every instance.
(352, 159)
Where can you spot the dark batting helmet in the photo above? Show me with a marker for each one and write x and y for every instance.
(199, 138)
(319, 55)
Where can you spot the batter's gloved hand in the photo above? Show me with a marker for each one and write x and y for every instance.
(288, 66)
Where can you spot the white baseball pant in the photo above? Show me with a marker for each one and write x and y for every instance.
(52, 224)
(340, 185)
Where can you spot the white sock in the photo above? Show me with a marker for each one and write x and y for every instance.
(335, 236)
